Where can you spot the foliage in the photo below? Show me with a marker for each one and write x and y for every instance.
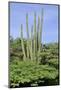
(54, 62)
(32, 73)
(22, 72)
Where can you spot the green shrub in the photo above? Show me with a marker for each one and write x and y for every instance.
(54, 62)
(22, 72)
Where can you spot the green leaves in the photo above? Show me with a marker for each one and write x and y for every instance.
(28, 72)
(54, 62)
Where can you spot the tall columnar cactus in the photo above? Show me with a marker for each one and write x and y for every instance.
(42, 12)
(31, 43)
(22, 42)
(38, 35)
(35, 43)
(27, 36)
(38, 38)
(40, 31)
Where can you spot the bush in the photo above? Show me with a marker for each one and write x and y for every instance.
(30, 73)
(54, 62)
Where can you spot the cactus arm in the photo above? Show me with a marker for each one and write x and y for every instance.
(42, 14)
(40, 31)
(27, 36)
(31, 43)
(22, 42)
(35, 36)
(38, 38)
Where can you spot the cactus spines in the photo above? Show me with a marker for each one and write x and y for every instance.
(22, 42)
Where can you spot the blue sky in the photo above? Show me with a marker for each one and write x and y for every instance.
(50, 23)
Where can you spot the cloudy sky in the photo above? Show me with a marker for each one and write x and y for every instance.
(50, 22)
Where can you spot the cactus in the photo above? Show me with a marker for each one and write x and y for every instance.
(35, 46)
(27, 36)
(22, 42)
(40, 30)
(31, 50)
(41, 27)
(39, 42)
(38, 38)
